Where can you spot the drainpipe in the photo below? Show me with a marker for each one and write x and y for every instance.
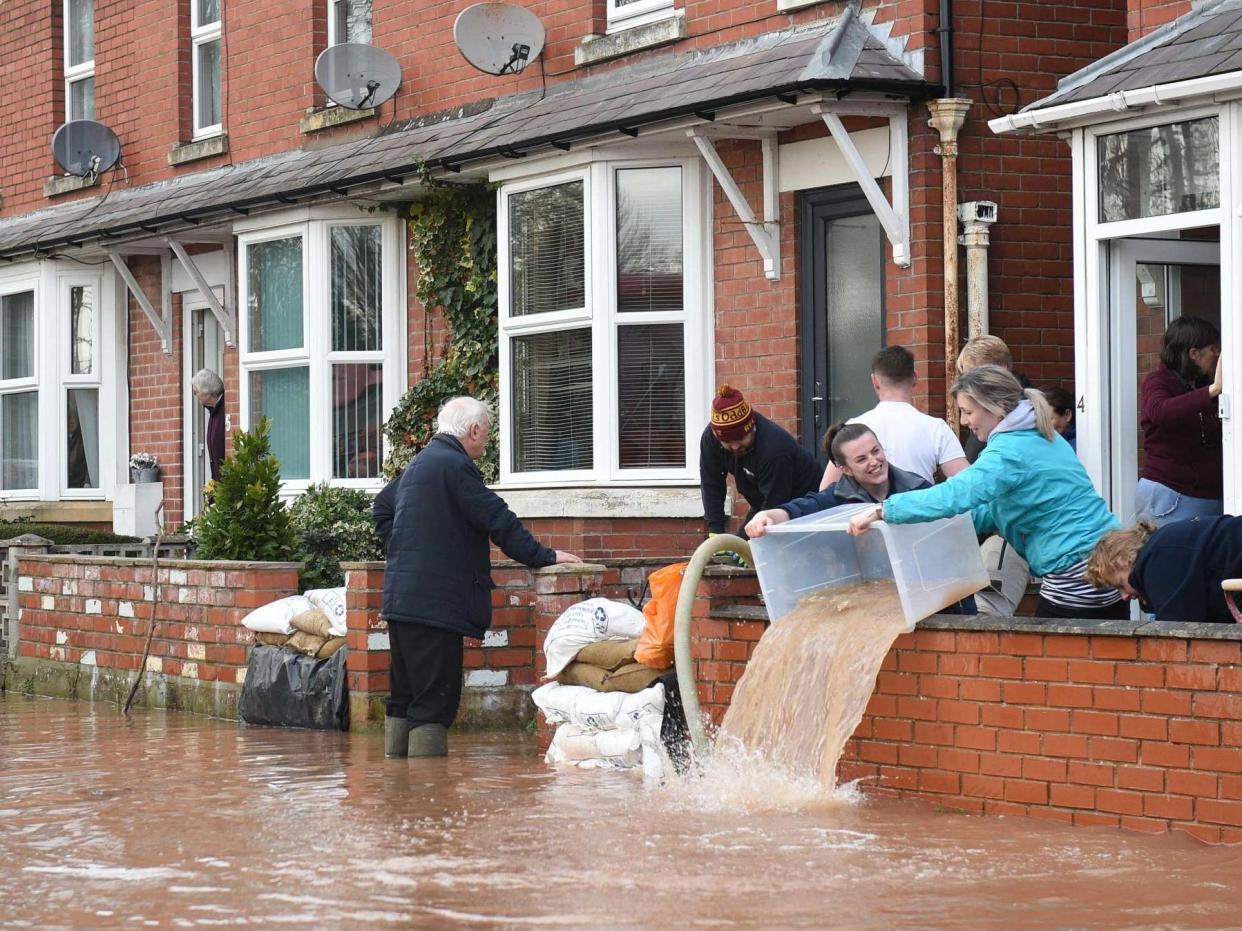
(976, 217)
(947, 116)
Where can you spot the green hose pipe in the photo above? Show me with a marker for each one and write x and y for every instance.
(721, 543)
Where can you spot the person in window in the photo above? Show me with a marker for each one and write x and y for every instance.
(1175, 571)
(912, 440)
(1062, 404)
(867, 477)
(438, 583)
(1182, 474)
(209, 390)
(767, 464)
(1028, 486)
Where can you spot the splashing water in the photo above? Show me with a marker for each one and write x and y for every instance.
(807, 685)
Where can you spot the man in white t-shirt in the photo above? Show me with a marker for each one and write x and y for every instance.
(912, 440)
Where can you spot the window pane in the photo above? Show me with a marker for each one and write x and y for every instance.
(649, 265)
(19, 440)
(82, 438)
(80, 24)
(208, 11)
(651, 396)
(208, 104)
(357, 420)
(552, 395)
(357, 288)
(17, 335)
(283, 396)
(1160, 170)
(82, 99)
(82, 330)
(547, 265)
(274, 279)
(352, 20)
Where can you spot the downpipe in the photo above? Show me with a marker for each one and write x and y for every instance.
(682, 655)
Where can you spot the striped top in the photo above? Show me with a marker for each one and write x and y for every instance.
(1069, 588)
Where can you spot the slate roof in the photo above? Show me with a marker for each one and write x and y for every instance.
(840, 54)
(1205, 41)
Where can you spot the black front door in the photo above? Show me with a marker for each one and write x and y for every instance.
(842, 307)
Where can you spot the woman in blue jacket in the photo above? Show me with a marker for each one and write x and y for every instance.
(1028, 486)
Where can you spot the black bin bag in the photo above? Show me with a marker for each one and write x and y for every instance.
(289, 689)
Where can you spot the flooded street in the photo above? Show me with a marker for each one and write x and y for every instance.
(171, 820)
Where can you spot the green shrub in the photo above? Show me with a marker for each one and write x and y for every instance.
(60, 534)
(333, 526)
(246, 519)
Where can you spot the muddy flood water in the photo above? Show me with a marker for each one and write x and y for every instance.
(170, 820)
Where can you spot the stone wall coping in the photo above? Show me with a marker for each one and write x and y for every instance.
(1031, 625)
(363, 566)
(571, 568)
(145, 562)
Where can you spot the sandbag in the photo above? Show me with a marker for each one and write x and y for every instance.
(655, 645)
(633, 677)
(270, 640)
(277, 616)
(574, 704)
(589, 622)
(587, 675)
(595, 749)
(313, 622)
(331, 601)
(330, 647)
(308, 644)
(608, 654)
(287, 689)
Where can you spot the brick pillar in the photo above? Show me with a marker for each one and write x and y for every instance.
(367, 640)
(25, 545)
(722, 646)
(556, 588)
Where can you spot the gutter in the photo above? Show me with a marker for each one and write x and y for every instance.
(1050, 119)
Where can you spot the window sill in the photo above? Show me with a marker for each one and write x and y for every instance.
(65, 184)
(315, 120)
(603, 502)
(69, 512)
(596, 48)
(192, 151)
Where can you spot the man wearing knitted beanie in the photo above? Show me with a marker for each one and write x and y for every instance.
(767, 464)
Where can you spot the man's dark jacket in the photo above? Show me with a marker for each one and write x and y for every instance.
(439, 565)
(774, 470)
(384, 509)
(215, 438)
(1179, 570)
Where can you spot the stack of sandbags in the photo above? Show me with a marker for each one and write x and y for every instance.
(604, 730)
(607, 712)
(312, 624)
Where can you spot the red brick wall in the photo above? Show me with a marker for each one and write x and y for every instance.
(72, 606)
(1145, 15)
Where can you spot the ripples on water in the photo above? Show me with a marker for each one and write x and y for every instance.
(175, 821)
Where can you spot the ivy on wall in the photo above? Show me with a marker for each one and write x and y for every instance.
(453, 237)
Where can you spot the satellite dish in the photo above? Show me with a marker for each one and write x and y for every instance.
(498, 38)
(85, 148)
(357, 75)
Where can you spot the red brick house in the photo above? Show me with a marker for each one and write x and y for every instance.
(689, 201)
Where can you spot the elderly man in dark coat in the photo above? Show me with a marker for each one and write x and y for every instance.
(438, 585)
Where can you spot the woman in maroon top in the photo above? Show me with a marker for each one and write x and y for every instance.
(1182, 475)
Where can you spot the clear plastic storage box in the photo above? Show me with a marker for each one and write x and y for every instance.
(934, 564)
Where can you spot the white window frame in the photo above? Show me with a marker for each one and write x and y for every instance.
(314, 228)
(68, 380)
(51, 282)
(1094, 290)
(333, 38)
(603, 319)
(75, 74)
(641, 13)
(200, 35)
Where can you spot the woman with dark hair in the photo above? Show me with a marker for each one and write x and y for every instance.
(867, 478)
(1182, 474)
(1028, 486)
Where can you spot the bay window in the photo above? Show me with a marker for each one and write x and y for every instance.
(321, 345)
(604, 347)
(19, 393)
(80, 384)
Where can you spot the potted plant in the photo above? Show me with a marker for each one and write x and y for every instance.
(143, 467)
